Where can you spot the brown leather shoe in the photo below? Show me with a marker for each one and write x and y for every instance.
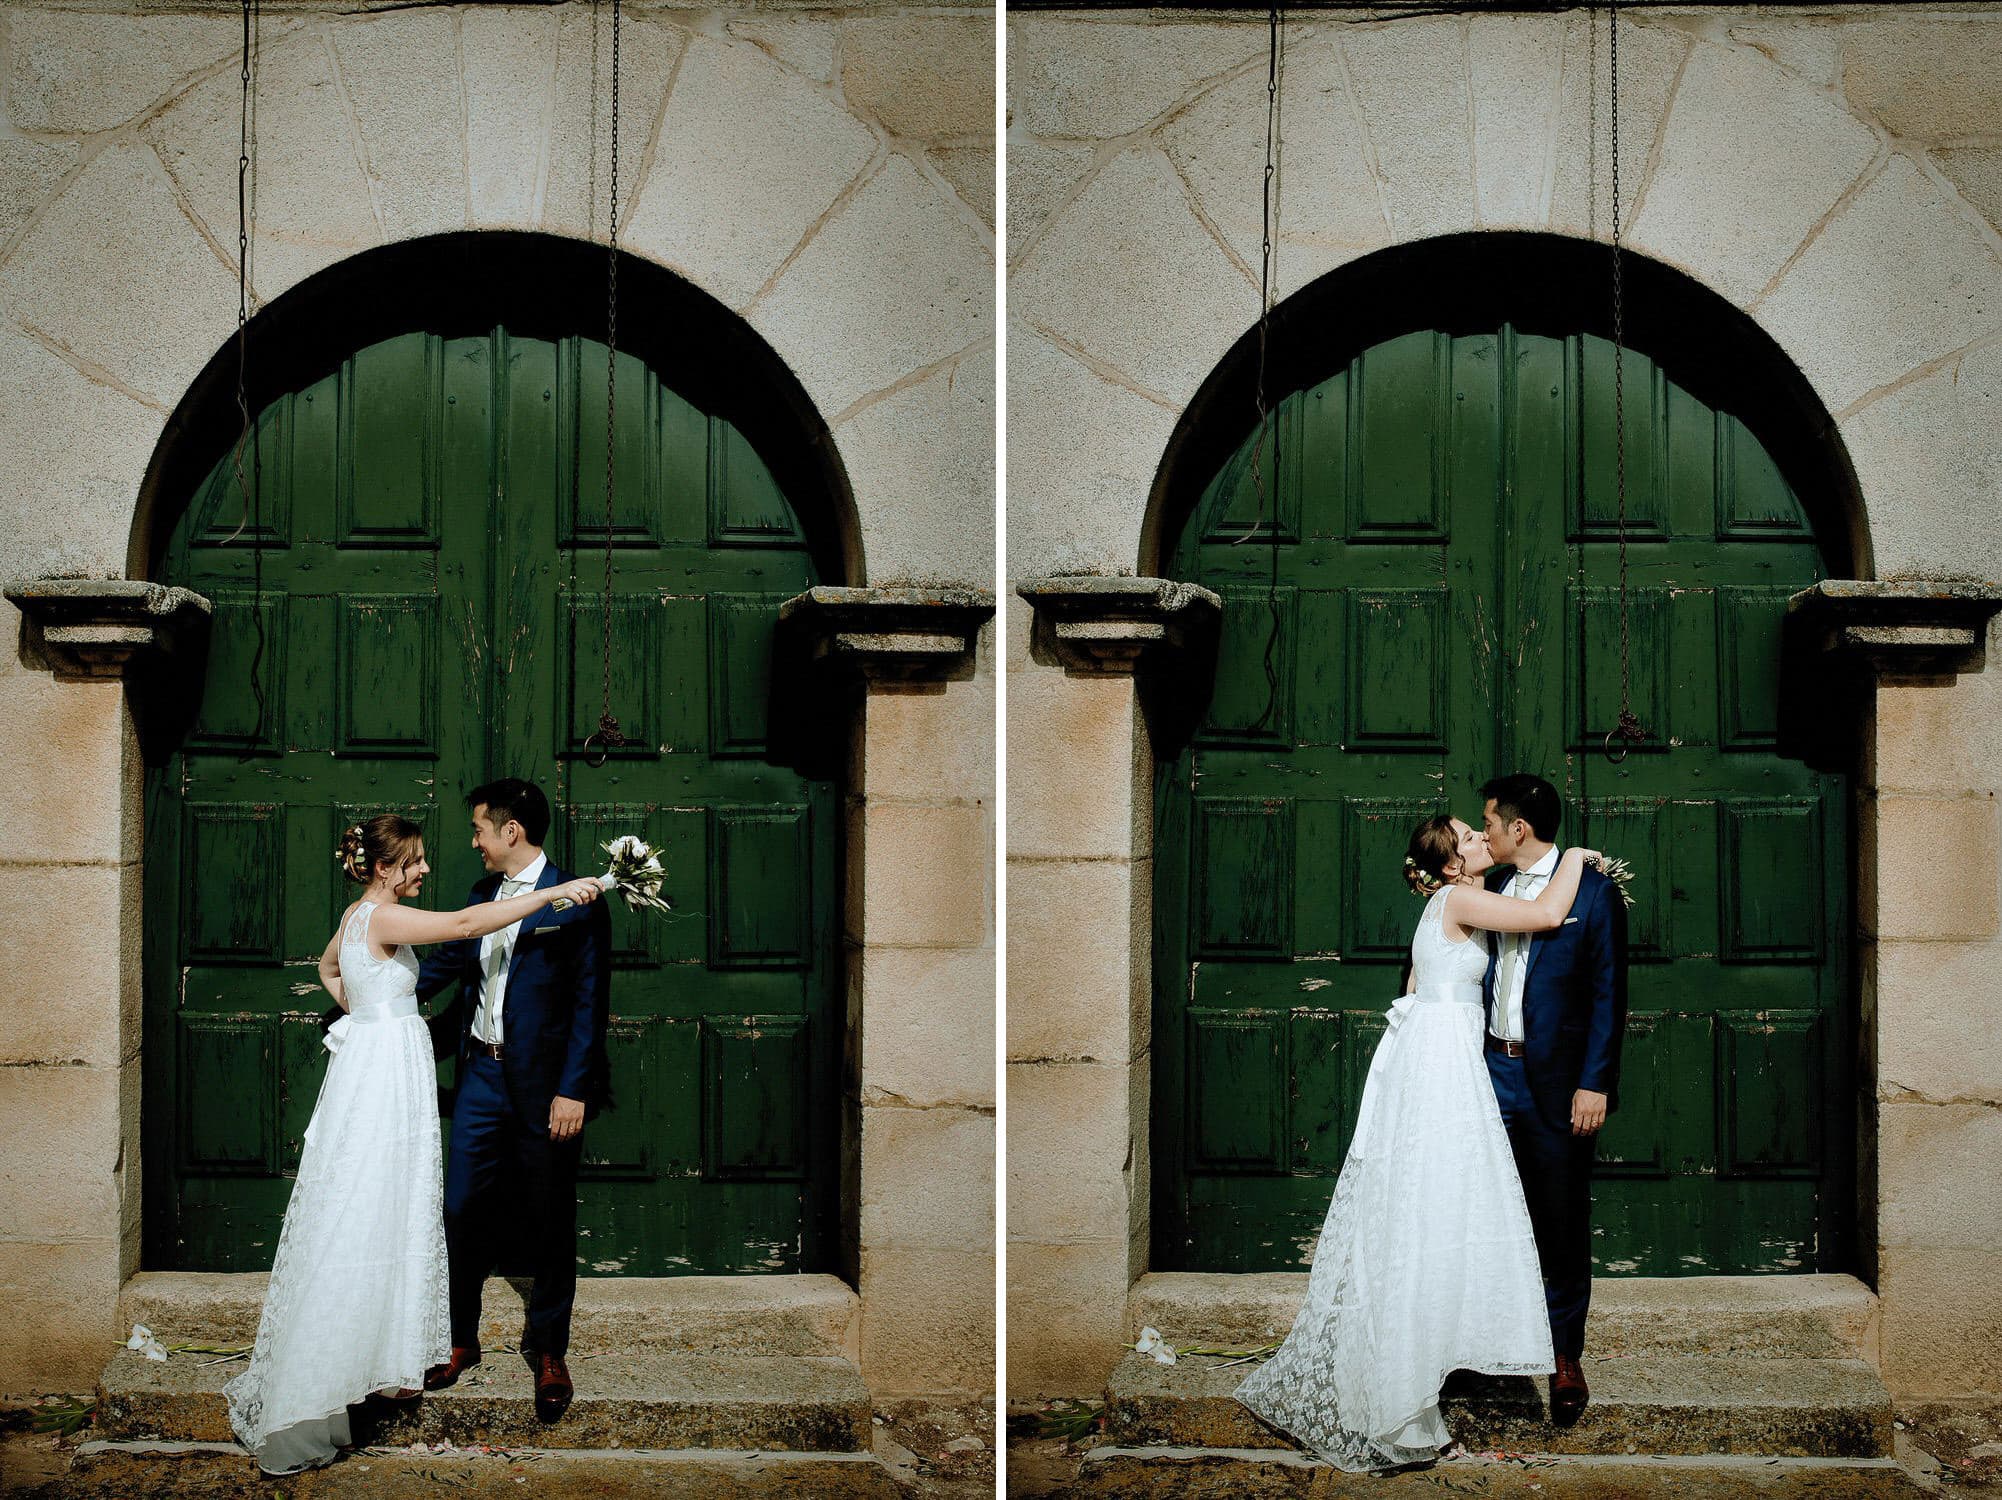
(463, 1359)
(552, 1386)
(1568, 1392)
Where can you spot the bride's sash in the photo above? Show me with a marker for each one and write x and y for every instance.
(1458, 991)
(1452, 992)
(384, 1010)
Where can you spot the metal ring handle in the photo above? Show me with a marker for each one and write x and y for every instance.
(604, 749)
(1626, 747)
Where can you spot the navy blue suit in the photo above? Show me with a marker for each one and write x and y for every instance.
(553, 1035)
(1574, 1016)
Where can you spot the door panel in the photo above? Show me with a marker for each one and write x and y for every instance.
(432, 616)
(1437, 600)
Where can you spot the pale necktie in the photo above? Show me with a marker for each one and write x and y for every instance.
(1514, 944)
(498, 953)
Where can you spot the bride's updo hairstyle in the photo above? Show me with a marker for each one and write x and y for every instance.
(1433, 846)
(386, 836)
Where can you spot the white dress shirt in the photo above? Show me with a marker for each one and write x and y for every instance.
(496, 950)
(1524, 885)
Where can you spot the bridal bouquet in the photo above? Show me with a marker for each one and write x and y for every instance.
(635, 874)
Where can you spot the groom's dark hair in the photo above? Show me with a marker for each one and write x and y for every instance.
(1527, 797)
(513, 798)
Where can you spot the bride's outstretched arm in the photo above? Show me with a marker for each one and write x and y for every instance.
(1491, 911)
(405, 924)
(330, 969)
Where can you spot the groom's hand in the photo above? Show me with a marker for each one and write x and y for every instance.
(1588, 1112)
(566, 1118)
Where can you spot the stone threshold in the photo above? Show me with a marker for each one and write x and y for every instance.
(1688, 1404)
(750, 1315)
(1141, 1473)
(1762, 1317)
(648, 1399)
(116, 1469)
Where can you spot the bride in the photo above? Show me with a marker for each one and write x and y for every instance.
(357, 1298)
(1426, 1262)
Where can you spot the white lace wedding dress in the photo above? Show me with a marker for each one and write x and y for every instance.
(1426, 1263)
(357, 1299)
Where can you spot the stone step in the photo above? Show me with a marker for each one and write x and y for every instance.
(1675, 1404)
(1225, 1474)
(640, 1399)
(1761, 1317)
(114, 1471)
(701, 1314)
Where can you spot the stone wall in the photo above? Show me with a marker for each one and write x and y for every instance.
(920, 914)
(827, 175)
(1836, 175)
(1933, 964)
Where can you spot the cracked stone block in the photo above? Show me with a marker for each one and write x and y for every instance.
(401, 74)
(114, 243)
(920, 461)
(1412, 89)
(1902, 276)
(724, 204)
(893, 282)
(924, 76)
(313, 206)
(1327, 208)
(1081, 77)
(1130, 275)
(1929, 468)
(1082, 453)
(1732, 216)
(78, 72)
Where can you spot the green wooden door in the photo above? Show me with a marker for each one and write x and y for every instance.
(432, 617)
(1437, 549)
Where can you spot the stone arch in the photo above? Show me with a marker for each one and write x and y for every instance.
(121, 277)
(1841, 240)
(470, 282)
(1538, 282)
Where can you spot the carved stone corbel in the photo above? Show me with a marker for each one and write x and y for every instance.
(906, 634)
(96, 627)
(1095, 624)
(1913, 626)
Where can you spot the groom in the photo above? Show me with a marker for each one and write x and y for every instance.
(528, 1029)
(1556, 1008)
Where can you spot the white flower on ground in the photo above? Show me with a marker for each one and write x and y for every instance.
(142, 1338)
(1151, 1343)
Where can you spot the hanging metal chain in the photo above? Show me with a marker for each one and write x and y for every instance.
(608, 734)
(249, 487)
(1265, 425)
(1629, 732)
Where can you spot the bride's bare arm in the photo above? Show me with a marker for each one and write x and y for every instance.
(392, 925)
(330, 969)
(1491, 911)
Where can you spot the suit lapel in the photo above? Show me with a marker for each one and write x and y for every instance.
(550, 876)
(1537, 940)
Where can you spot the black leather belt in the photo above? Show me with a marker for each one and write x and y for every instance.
(1506, 1048)
(495, 1050)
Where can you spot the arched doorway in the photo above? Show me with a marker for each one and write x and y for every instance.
(1428, 595)
(429, 616)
